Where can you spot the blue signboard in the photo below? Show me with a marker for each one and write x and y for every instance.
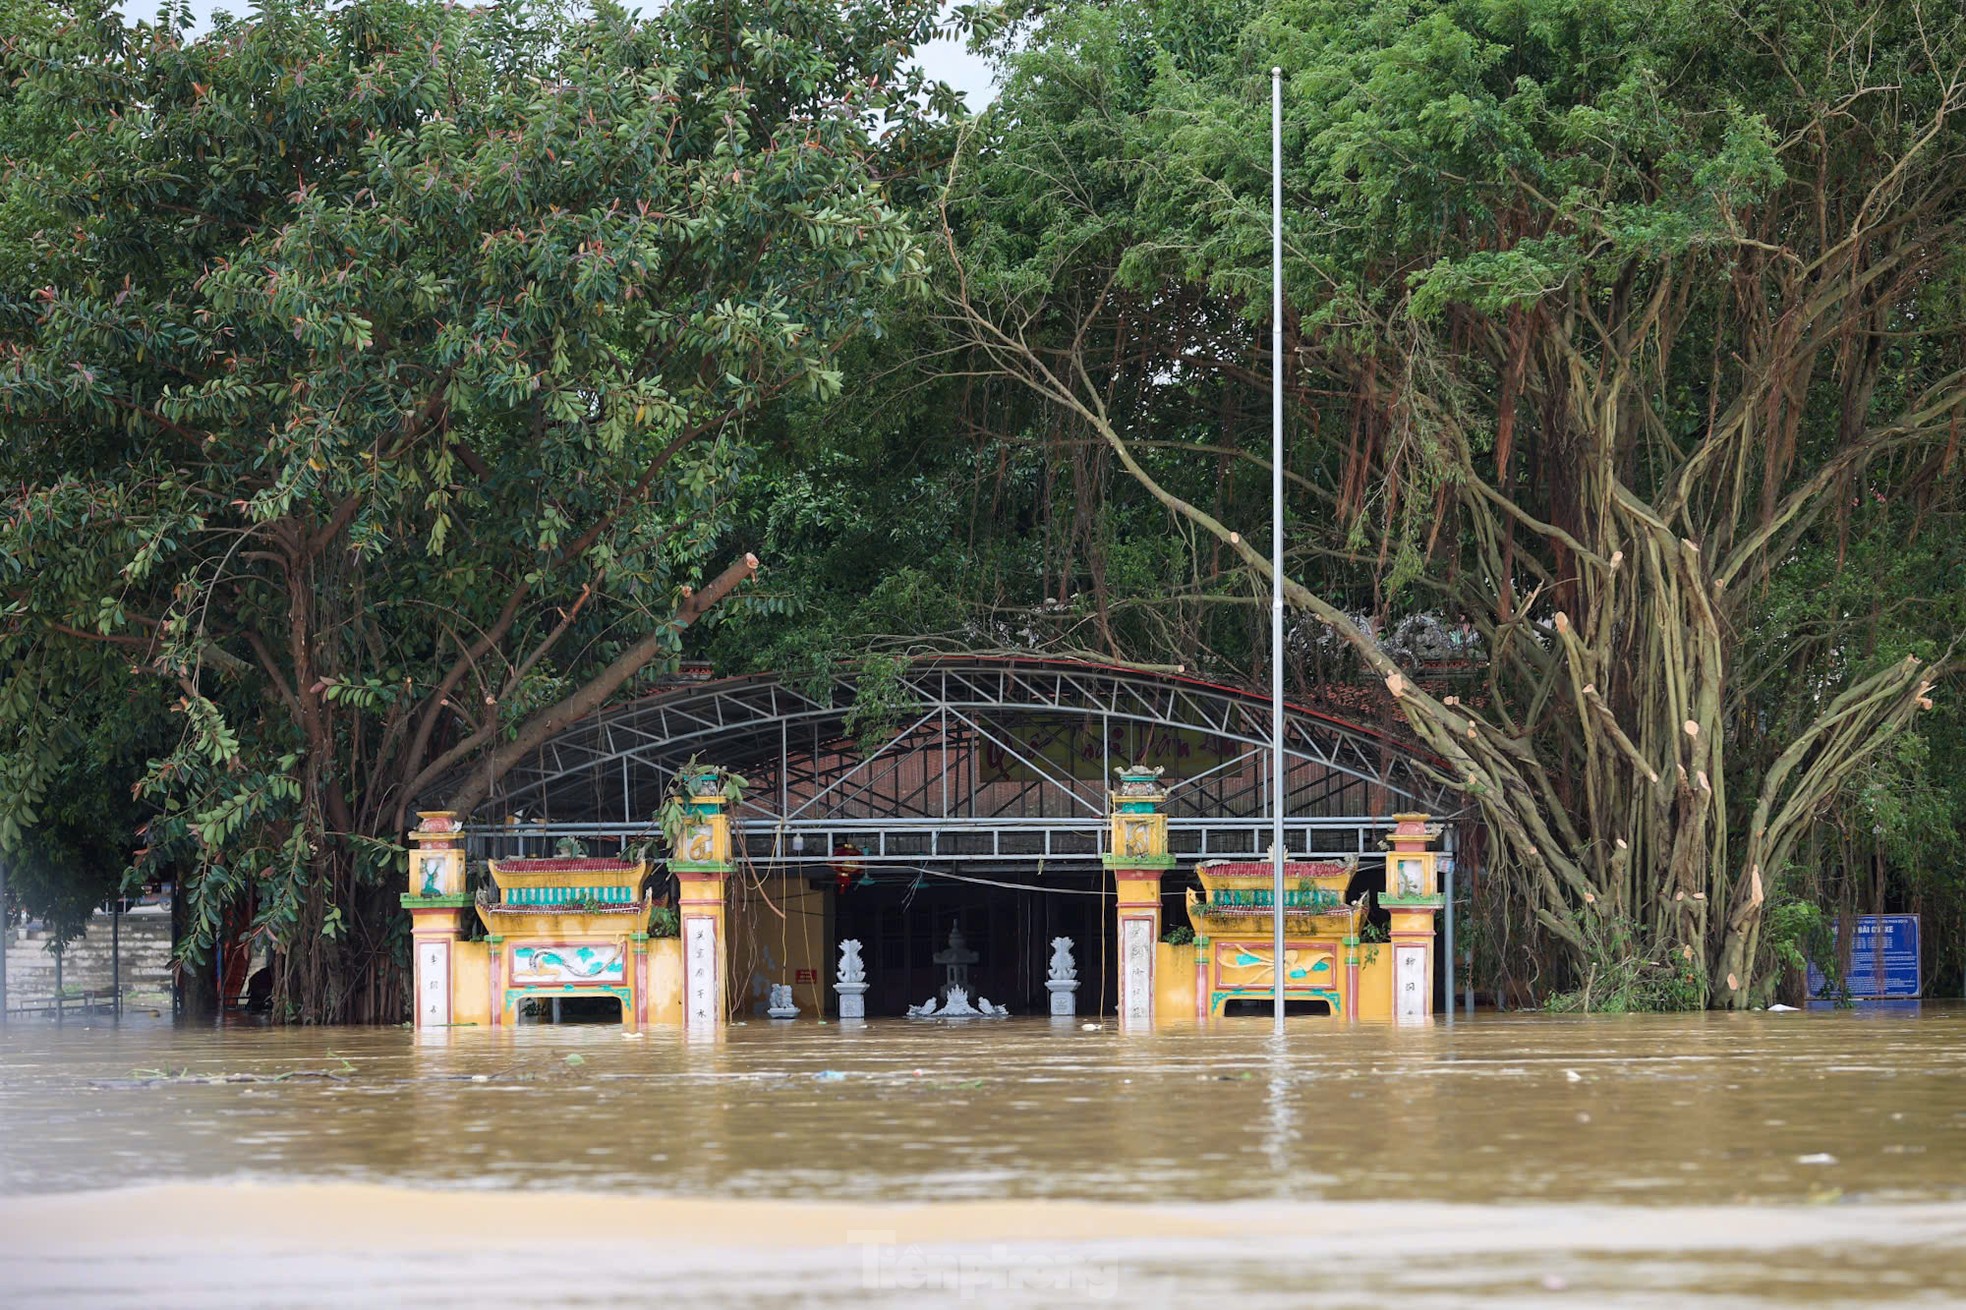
(1883, 959)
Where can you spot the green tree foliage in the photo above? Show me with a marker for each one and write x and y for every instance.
(1890, 840)
(902, 520)
(71, 847)
(375, 381)
(1603, 320)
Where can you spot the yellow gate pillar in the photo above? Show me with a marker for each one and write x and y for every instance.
(1412, 899)
(701, 863)
(436, 901)
(1139, 856)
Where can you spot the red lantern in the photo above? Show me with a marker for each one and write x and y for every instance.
(846, 865)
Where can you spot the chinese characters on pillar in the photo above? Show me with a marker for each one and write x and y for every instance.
(433, 984)
(1138, 962)
(1411, 983)
(700, 972)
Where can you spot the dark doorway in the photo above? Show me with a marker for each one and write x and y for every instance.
(1250, 1008)
(571, 1008)
(902, 921)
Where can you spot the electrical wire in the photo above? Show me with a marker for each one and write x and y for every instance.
(920, 872)
(1016, 886)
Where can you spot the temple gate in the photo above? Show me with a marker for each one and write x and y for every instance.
(1028, 800)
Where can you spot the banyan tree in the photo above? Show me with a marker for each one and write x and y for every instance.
(1596, 323)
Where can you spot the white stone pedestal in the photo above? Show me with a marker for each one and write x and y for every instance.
(1064, 996)
(853, 999)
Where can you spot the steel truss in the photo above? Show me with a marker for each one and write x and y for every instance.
(984, 762)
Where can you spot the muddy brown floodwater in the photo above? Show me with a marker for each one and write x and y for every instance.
(1755, 1159)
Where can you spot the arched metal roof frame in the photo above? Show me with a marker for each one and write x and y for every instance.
(905, 799)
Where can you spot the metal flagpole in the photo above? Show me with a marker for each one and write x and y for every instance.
(6, 939)
(1447, 947)
(1277, 769)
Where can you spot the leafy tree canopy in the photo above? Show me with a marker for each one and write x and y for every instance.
(1601, 320)
(375, 380)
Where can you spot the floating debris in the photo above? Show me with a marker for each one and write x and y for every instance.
(140, 1078)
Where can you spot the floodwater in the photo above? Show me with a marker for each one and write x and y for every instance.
(1711, 1160)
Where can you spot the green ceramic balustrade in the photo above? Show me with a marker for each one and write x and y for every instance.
(568, 895)
(1239, 898)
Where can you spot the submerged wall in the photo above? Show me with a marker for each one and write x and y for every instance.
(1375, 982)
(87, 966)
(666, 980)
(781, 930)
(1174, 981)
